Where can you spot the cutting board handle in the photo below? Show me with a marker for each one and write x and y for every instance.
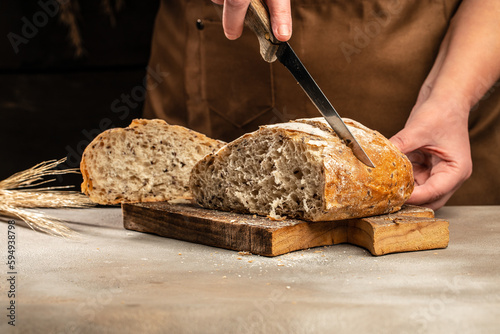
(258, 20)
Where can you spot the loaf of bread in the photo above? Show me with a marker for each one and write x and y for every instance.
(302, 169)
(148, 161)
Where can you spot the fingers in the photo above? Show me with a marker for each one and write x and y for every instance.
(233, 17)
(281, 19)
(234, 12)
(405, 141)
(436, 178)
(436, 184)
(436, 205)
(434, 193)
(436, 140)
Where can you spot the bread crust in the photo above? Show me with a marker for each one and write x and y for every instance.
(348, 188)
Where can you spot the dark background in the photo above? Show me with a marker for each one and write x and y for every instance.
(52, 103)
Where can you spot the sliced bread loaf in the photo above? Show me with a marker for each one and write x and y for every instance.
(148, 161)
(302, 169)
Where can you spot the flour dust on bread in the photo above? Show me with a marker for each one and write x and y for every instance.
(148, 161)
(302, 169)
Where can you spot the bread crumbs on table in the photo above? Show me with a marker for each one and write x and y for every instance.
(276, 218)
(244, 253)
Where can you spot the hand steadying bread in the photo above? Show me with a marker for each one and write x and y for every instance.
(302, 169)
(148, 161)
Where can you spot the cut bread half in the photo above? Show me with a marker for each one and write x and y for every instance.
(302, 169)
(148, 161)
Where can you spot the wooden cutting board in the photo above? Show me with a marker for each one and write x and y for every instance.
(411, 229)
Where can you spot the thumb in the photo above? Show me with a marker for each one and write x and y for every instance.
(405, 141)
(281, 19)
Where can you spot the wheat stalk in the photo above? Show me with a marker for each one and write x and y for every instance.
(18, 198)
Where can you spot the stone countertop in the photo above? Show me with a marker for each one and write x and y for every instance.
(111, 280)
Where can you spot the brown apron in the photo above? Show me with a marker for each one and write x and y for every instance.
(370, 58)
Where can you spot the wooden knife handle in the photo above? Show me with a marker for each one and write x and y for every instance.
(258, 20)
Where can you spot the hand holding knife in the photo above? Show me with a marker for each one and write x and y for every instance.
(257, 19)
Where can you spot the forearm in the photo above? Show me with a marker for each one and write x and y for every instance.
(468, 63)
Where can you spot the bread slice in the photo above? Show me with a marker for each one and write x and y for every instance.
(148, 161)
(302, 169)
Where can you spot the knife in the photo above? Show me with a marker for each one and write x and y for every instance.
(257, 19)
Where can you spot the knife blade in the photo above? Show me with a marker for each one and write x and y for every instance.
(257, 19)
